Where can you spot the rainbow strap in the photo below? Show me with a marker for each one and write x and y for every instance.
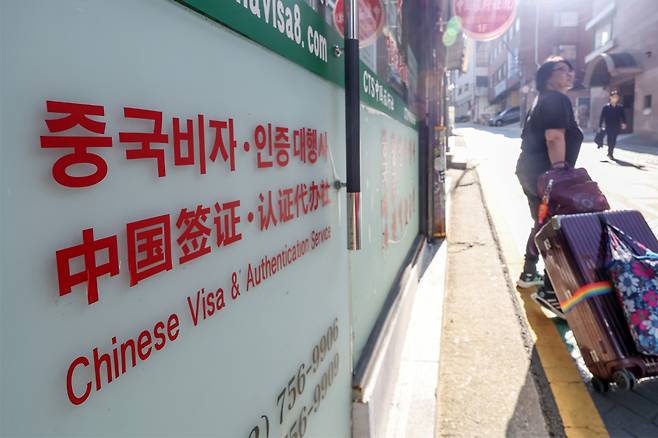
(588, 291)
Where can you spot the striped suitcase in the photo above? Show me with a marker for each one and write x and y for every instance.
(573, 250)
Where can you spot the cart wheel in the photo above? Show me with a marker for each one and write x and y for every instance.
(624, 379)
(600, 385)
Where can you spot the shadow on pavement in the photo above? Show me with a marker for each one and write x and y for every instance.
(631, 143)
(518, 425)
(641, 149)
(625, 164)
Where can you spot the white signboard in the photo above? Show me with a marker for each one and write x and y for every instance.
(173, 247)
(173, 258)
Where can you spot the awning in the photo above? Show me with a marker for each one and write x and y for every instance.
(608, 67)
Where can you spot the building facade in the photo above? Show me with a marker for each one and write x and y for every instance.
(470, 85)
(543, 28)
(463, 85)
(550, 28)
(504, 69)
(624, 57)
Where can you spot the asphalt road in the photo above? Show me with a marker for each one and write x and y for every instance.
(629, 182)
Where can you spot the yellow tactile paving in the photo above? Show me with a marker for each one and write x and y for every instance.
(579, 414)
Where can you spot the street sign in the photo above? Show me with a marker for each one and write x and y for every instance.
(371, 20)
(485, 20)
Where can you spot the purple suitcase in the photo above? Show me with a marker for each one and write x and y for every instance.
(573, 250)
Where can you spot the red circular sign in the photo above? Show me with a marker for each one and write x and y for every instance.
(485, 19)
(371, 20)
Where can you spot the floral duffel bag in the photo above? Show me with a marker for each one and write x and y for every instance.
(633, 270)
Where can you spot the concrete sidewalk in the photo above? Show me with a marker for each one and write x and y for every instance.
(488, 384)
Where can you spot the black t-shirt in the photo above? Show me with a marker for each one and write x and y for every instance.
(552, 110)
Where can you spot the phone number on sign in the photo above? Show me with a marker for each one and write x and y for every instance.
(292, 393)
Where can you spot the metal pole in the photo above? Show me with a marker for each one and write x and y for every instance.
(352, 125)
(537, 34)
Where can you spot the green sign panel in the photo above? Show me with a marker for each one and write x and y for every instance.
(295, 31)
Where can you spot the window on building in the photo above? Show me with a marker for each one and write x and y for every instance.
(602, 34)
(482, 56)
(481, 81)
(567, 51)
(466, 87)
(565, 19)
(647, 102)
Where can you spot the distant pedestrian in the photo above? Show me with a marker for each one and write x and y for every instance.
(551, 139)
(612, 115)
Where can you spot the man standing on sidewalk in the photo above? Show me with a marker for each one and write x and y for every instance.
(613, 116)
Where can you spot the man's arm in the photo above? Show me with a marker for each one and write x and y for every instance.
(622, 117)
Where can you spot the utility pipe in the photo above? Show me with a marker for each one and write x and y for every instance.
(352, 125)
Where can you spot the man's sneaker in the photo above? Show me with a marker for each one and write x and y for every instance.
(530, 279)
(548, 300)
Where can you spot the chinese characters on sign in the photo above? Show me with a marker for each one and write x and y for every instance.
(150, 243)
(397, 156)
